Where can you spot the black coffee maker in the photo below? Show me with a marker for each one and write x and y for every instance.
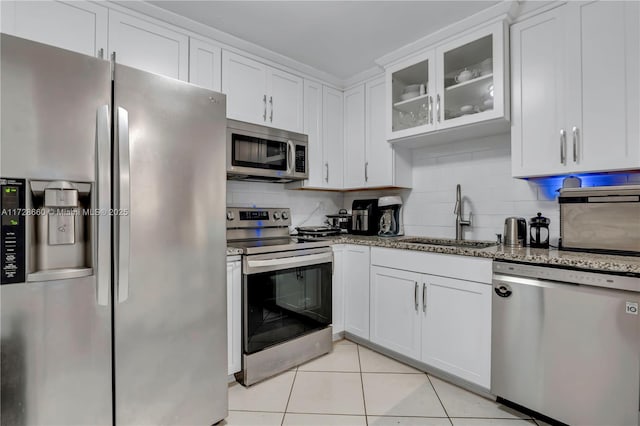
(539, 231)
(366, 217)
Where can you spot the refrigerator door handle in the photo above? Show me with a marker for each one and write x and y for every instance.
(103, 258)
(121, 234)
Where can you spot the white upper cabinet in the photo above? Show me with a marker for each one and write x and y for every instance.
(332, 138)
(205, 64)
(244, 81)
(285, 100)
(538, 77)
(313, 129)
(602, 123)
(576, 90)
(370, 161)
(79, 26)
(384, 165)
(142, 44)
(260, 94)
(436, 96)
(323, 124)
(354, 137)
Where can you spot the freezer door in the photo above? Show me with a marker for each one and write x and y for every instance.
(56, 335)
(170, 251)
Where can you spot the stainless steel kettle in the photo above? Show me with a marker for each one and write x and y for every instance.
(515, 232)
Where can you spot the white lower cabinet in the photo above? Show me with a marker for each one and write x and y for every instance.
(456, 328)
(356, 261)
(395, 310)
(443, 320)
(337, 290)
(234, 315)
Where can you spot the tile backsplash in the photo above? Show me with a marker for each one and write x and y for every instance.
(307, 207)
(483, 169)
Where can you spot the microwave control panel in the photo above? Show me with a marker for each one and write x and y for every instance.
(301, 160)
(12, 238)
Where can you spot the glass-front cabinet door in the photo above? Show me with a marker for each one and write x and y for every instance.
(471, 77)
(410, 90)
(458, 82)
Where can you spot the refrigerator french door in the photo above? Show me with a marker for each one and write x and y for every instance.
(113, 305)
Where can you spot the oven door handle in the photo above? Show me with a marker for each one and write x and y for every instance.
(257, 266)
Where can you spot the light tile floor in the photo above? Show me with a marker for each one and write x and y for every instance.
(356, 386)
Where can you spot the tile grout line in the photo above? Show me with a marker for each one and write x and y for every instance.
(289, 399)
(439, 399)
(364, 401)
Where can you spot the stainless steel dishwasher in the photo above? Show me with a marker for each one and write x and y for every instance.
(566, 343)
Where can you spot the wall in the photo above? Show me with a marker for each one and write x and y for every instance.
(307, 207)
(483, 168)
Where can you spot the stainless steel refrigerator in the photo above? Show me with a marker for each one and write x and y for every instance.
(113, 295)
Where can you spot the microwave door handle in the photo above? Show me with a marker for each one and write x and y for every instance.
(122, 231)
(290, 150)
(103, 258)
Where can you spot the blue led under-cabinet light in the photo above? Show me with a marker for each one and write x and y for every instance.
(549, 186)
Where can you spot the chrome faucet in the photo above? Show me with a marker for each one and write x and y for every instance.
(457, 210)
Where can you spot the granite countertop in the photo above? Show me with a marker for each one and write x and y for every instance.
(580, 260)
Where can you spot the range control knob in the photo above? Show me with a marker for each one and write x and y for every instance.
(285, 215)
(230, 215)
(276, 215)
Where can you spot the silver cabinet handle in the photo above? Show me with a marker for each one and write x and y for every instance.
(264, 101)
(271, 103)
(103, 173)
(574, 131)
(424, 297)
(431, 109)
(121, 257)
(563, 146)
(326, 178)
(415, 295)
(366, 171)
(438, 105)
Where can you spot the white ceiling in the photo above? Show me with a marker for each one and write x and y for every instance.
(342, 38)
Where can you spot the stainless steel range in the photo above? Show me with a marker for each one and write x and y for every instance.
(286, 293)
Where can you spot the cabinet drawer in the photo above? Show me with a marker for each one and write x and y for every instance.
(446, 265)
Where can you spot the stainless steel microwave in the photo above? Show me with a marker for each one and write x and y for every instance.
(260, 153)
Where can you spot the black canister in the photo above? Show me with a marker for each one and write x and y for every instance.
(539, 231)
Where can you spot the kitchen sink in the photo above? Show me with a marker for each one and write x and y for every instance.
(450, 243)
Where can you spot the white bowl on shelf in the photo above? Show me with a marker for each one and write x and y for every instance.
(412, 88)
(466, 109)
(409, 95)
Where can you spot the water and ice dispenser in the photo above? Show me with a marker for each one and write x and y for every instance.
(47, 230)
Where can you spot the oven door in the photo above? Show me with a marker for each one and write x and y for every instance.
(285, 295)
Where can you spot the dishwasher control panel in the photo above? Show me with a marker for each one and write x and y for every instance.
(565, 275)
